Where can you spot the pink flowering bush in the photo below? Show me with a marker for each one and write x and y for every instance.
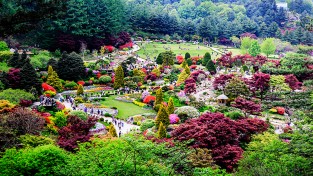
(174, 119)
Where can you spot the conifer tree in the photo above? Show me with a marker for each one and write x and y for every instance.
(211, 67)
(187, 70)
(161, 131)
(184, 64)
(182, 77)
(54, 64)
(189, 61)
(159, 97)
(163, 117)
(206, 59)
(119, 77)
(13, 61)
(170, 106)
(53, 79)
(112, 130)
(71, 67)
(29, 77)
(80, 90)
(187, 56)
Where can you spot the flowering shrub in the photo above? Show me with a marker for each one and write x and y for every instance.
(174, 118)
(280, 110)
(81, 83)
(126, 45)
(47, 87)
(186, 112)
(193, 66)
(144, 94)
(140, 104)
(109, 48)
(180, 59)
(148, 99)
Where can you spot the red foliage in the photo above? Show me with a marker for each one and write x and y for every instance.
(25, 103)
(109, 48)
(293, 82)
(226, 60)
(249, 107)
(222, 80)
(260, 82)
(190, 86)
(81, 82)
(220, 134)
(180, 59)
(124, 37)
(148, 98)
(139, 84)
(276, 62)
(151, 77)
(280, 110)
(14, 78)
(126, 45)
(144, 70)
(194, 75)
(99, 75)
(288, 129)
(77, 130)
(60, 106)
(47, 87)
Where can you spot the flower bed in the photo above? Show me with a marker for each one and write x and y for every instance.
(140, 104)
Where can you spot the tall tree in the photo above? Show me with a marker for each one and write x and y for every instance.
(162, 117)
(170, 106)
(268, 46)
(29, 78)
(255, 49)
(119, 77)
(206, 58)
(73, 67)
(53, 79)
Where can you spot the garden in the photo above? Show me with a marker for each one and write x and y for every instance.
(165, 88)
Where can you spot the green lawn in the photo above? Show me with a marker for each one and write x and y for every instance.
(153, 49)
(125, 110)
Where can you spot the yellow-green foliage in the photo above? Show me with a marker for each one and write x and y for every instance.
(139, 103)
(163, 117)
(80, 90)
(5, 56)
(170, 106)
(119, 77)
(5, 104)
(156, 71)
(112, 130)
(182, 77)
(161, 131)
(53, 79)
(159, 97)
(201, 157)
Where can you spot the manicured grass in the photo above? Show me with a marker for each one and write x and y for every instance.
(153, 49)
(125, 110)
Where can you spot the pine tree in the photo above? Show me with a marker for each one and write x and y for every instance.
(159, 59)
(159, 97)
(80, 90)
(29, 77)
(119, 77)
(170, 106)
(161, 131)
(13, 61)
(53, 79)
(189, 61)
(187, 56)
(53, 63)
(206, 58)
(112, 130)
(211, 67)
(187, 70)
(182, 77)
(184, 64)
(71, 67)
(168, 58)
(162, 117)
